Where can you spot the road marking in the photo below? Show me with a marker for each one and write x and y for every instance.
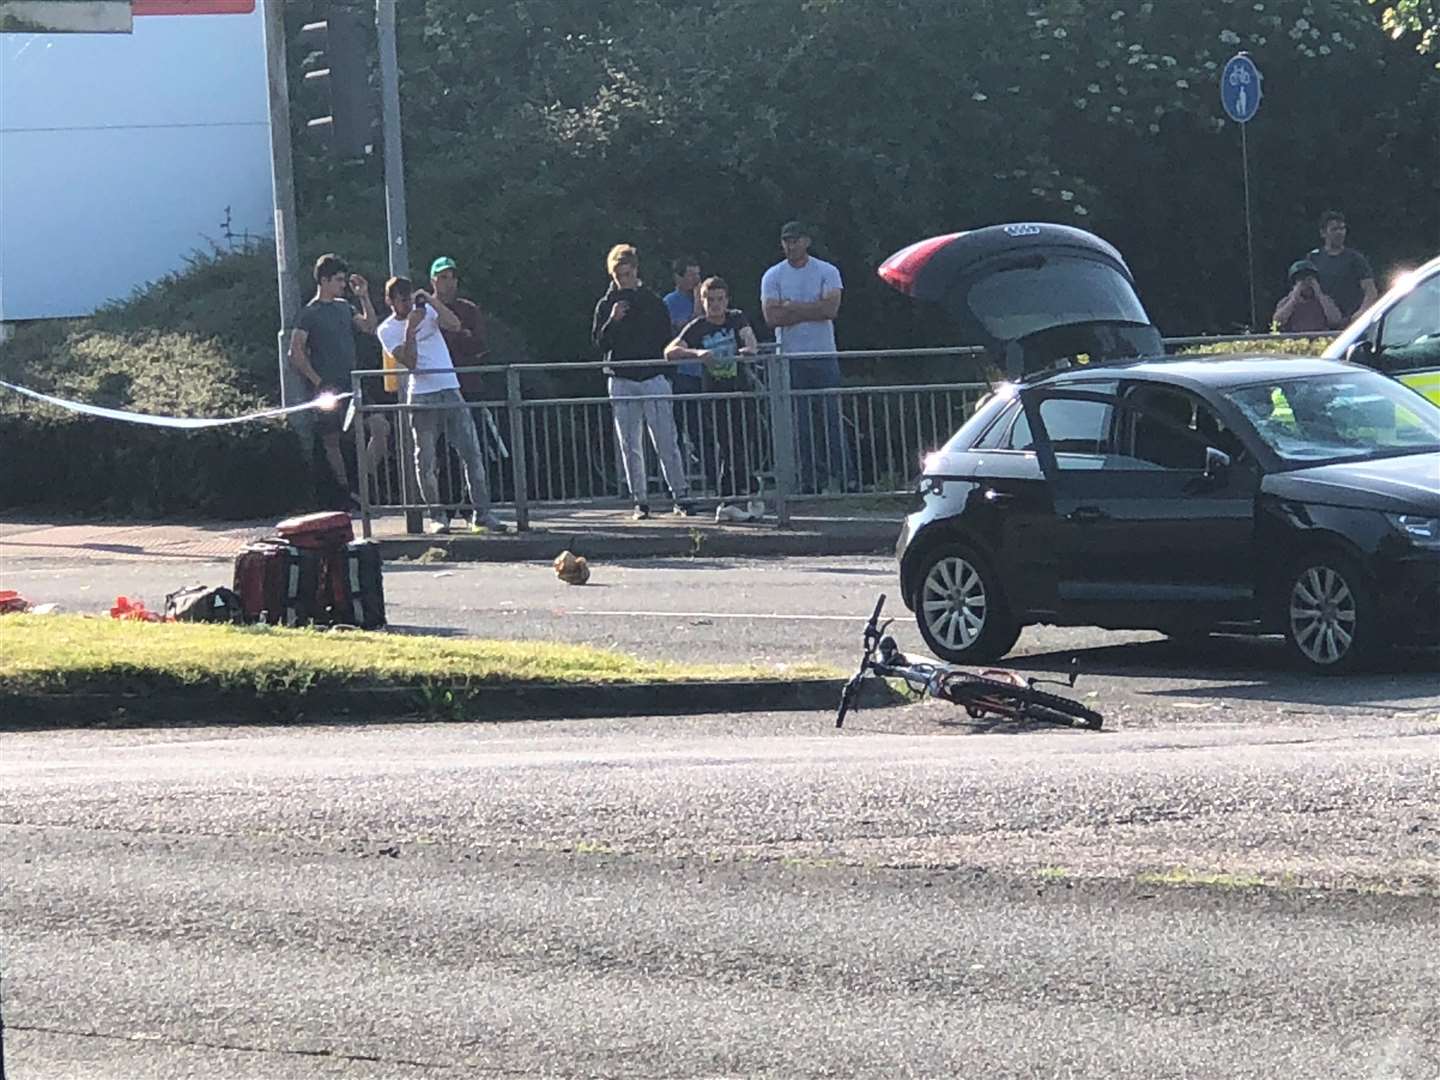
(712, 615)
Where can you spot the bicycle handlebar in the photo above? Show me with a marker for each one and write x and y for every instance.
(875, 615)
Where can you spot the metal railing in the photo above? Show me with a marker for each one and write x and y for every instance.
(763, 440)
(550, 441)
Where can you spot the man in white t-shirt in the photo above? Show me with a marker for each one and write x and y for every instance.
(412, 337)
(800, 297)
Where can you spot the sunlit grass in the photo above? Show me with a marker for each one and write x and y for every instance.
(65, 653)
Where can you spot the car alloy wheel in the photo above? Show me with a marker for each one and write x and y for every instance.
(953, 602)
(959, 606)
(1322, 615)
(1327, 613)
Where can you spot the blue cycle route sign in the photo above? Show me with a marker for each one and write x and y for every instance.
(1240, 88)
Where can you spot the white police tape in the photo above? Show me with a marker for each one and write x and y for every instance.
(324, 401)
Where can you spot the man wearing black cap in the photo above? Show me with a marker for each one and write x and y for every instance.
(800, 297)
(1306, 308)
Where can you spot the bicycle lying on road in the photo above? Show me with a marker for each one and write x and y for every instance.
(994, 692)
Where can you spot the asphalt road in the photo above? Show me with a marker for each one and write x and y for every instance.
(717, 896)
(1239, 878)
(787, 611)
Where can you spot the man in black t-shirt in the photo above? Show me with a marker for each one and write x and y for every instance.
(716, 339)
(1344, 274)
(322, 348)
(632, 323)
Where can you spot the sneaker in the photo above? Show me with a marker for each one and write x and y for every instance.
(435, 527)
(641, 512)
(726, 512)
(488, 523)
(683, 508)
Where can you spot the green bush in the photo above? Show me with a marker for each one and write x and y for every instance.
(215, 357)
(1263, 345)
(91, 466)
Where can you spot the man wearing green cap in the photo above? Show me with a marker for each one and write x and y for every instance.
(466, 345)
(469, 347)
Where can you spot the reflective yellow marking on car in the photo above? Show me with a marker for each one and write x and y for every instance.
(1427, 382)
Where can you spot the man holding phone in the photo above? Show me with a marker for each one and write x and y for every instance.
(322, 349)
(415, 337)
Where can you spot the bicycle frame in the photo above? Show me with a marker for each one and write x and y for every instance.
(996, 691)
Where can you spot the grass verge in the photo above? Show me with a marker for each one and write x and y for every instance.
(60, 654)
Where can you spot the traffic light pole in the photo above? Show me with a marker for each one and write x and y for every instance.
(396, 226)
(390, 117)
(282, 181)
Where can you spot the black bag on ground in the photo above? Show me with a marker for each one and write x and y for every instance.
(204, 603)
(352, 590)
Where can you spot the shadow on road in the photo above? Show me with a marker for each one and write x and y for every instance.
(1253, 669)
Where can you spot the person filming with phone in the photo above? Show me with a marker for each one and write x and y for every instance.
(414, 336)
(1306, 307)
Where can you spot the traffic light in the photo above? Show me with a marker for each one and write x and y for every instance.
(337, 77)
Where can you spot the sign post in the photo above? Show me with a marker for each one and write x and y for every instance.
(1240, 95)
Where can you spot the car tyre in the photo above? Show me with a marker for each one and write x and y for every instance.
(960, 608)
(1328, 611)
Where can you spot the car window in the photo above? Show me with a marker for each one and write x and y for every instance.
(1057, 290)
(1075, 427)
(1170, 429)
(1339, 417)
(982, 420)
(1410, 331)
(998, 435)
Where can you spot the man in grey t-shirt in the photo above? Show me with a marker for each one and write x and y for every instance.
(322, 349)
(800, 297)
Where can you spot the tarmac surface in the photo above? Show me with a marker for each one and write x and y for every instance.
(1239, 877)
(719, 896)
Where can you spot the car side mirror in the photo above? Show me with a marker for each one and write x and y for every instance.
(1362, 352)
(1216, 461)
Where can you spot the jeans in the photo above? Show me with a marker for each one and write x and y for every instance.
(459, 431)
(691, 421)
(632, 417)
(823, 456)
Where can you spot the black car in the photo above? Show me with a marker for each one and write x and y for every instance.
(1246, 494)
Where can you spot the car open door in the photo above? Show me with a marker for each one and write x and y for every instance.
(1154, 523)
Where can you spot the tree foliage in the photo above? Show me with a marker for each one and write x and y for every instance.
(539, 132)
(1418, 17)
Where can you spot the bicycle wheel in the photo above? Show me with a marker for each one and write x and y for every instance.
(1019, 703)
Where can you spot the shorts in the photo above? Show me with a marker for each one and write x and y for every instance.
(330, 421)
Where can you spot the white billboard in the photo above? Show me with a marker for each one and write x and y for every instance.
(119, 155)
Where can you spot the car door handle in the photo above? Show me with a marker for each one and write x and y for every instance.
(1087, 513)
(993, 496)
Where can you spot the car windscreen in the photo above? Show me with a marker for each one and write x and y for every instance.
(1338, 417)
(1055, 290)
